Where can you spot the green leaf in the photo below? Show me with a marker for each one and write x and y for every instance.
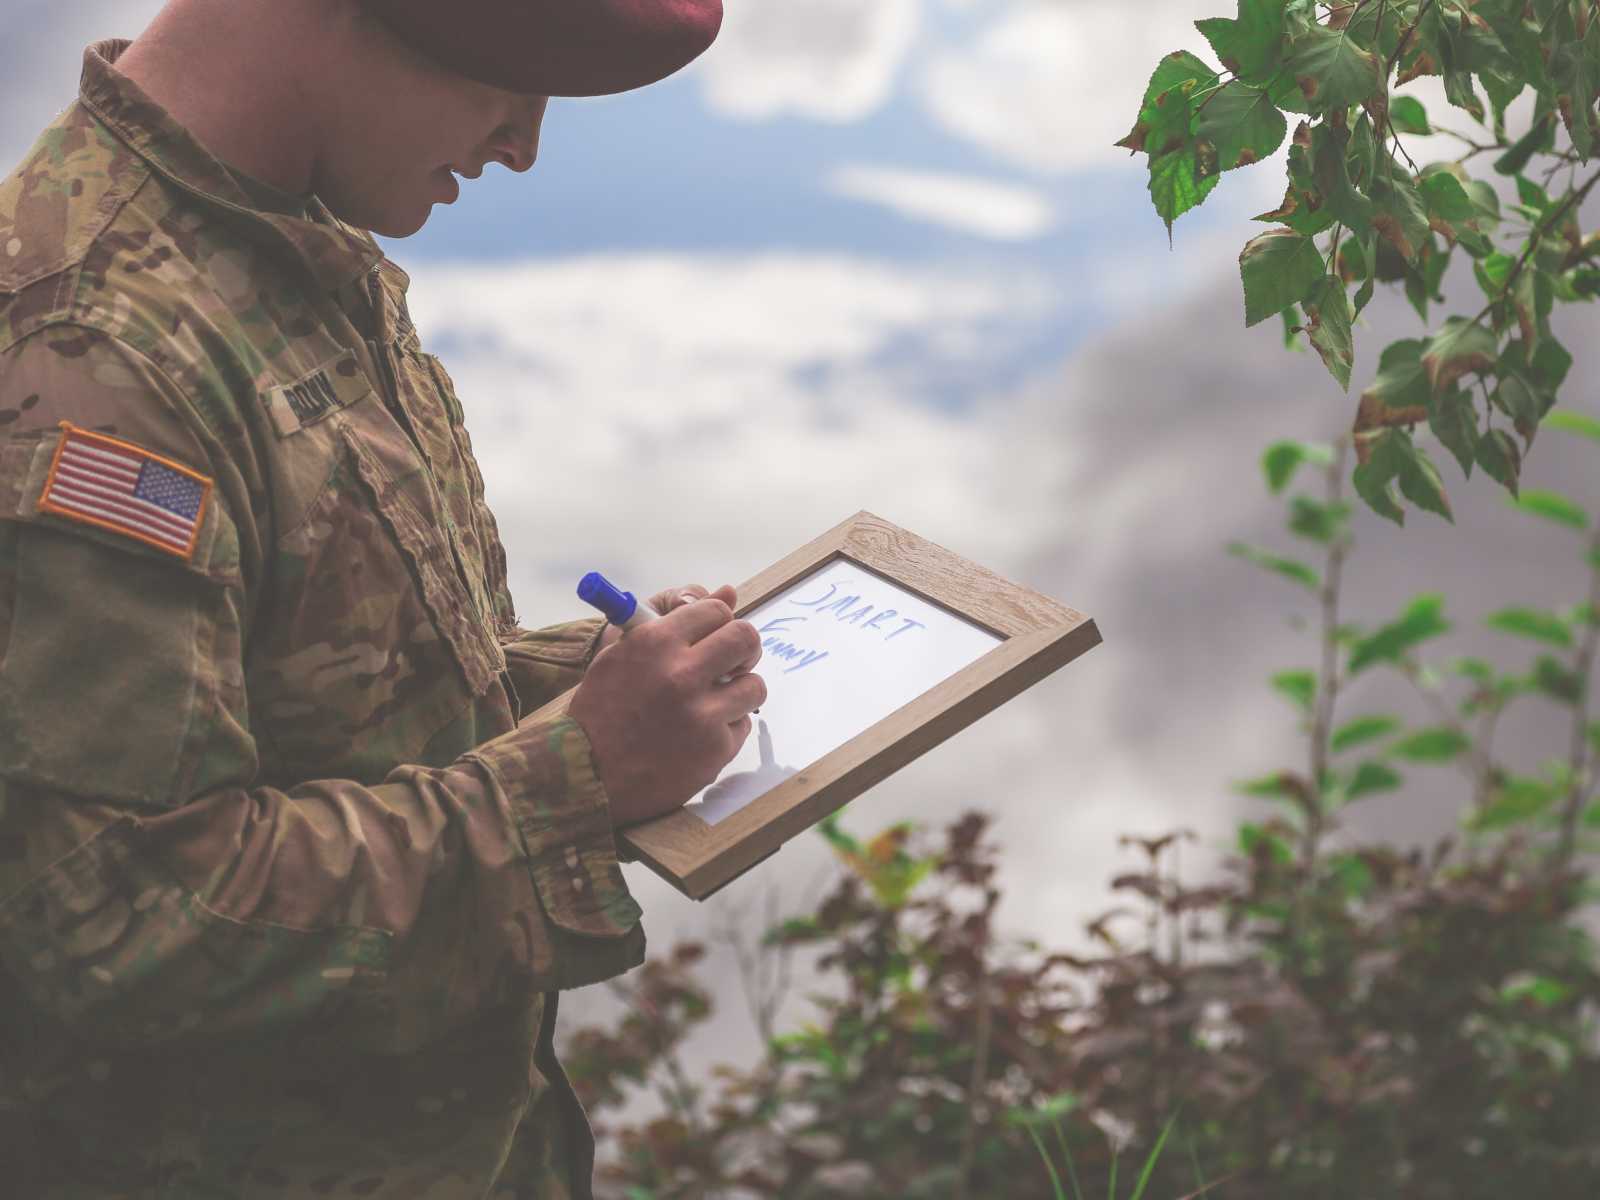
(1242, 125)
(1327, 310)
(1514, 802)
(1568, 421)
(1541, 136)
(1400, 382)
(1422, 619)
(1539, 991)
(1252, 835)
(1446, 199)
(1046, 1113)
(1299, 686)
(1400, 213)
(1409, 116)
(1420, 483)
(1315, 520)
(1363, 729)
(1438, 744)
(1373, 479)
(1165, 114)
(1460, 347)
(1492, 271)
(1287, 567)
(1552, 506)
(1557, 680)
(1458, 90)
(1531, 623)
(1394, 457)
(1531, 194)
(1291, 330)
(1371, 777)
(1575, 70)
(1453, 417)
(1250, 46)
(1550, 363)
(1499, 456)
(1424, 277)
(1179, 181)
(1473, 668)
(1279, 269)
(1352, 874)
(1331, 70)
(1518, 400)
(1330, 178)
(1281, 459)
(1280, 785)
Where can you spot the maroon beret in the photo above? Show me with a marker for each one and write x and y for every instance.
(557, 47)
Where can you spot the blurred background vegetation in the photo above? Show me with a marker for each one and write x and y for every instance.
(1328, 1015)
(1327, 1018)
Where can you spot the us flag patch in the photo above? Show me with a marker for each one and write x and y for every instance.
(116, 485)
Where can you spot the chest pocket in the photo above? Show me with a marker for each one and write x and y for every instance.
(375, 643)
(431, 398)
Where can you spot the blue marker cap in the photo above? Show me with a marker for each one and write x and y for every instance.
(617, 605)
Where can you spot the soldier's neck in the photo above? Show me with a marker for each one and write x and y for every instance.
(233, 75)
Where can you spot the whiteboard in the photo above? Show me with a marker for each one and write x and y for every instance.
(842, 648)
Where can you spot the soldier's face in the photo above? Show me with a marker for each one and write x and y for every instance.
(408, 129)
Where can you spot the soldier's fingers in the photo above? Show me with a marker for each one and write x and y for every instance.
(672, 598)
(739, 697)
(696, 620)
(738, 730)
(730, 650)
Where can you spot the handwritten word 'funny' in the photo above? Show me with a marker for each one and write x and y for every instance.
(847, 609)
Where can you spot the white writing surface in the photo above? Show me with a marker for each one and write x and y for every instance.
(841, 649)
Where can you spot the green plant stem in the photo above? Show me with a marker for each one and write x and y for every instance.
(1550, 220)
(1579, 754)
(980, 1072)
(1478, 763)
(1327, 679)
(1405, 40)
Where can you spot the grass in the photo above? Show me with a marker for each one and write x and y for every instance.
(1145, 1172)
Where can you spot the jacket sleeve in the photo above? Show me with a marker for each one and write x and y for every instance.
(151, 888)
(543, 663)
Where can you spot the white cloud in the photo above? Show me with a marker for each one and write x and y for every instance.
(983, 207)
(830, 60)
(674, 418)
(1050, 87)
(40, 57)
(678, 416)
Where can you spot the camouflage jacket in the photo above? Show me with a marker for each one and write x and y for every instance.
(286, 895)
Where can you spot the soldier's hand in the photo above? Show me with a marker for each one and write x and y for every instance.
(660, 724)
(664, 602)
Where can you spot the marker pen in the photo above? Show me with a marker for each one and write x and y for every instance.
(622, 609)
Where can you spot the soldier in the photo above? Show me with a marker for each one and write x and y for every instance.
(291, 869)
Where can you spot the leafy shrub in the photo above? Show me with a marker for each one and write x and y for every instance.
(1485, 376)
(1325, 1020)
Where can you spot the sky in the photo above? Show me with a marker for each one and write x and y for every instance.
(884, 256)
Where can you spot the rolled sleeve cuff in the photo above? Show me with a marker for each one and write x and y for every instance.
(546, 773)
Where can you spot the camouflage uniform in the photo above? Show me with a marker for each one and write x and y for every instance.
(282, 913)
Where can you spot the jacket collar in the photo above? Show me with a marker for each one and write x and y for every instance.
(333, 252)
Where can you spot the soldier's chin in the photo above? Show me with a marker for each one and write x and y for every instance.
(399, 223)
(390, 220)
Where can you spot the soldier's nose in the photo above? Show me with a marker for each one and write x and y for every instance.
(512, 149)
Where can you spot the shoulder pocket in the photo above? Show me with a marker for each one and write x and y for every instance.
(25, 496)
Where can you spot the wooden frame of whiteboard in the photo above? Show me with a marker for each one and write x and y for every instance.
(1039, 635)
